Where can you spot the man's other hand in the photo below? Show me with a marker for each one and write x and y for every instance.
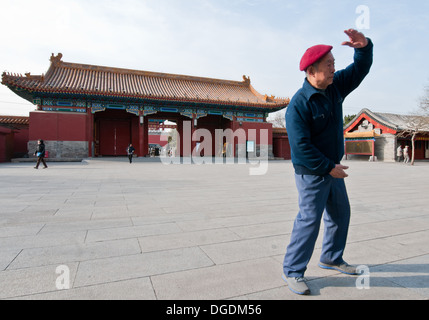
(339, 172)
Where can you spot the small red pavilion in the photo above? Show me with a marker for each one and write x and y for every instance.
(90, 111)
(379, 134)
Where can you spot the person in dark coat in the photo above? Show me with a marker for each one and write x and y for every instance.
(130, 152)
(40, 153)
(314, 121)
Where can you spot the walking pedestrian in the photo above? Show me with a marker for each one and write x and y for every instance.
(130, 152)
(40, 154)
(399, 153)
(406, 155)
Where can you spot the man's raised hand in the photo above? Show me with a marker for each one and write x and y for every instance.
(357, 39)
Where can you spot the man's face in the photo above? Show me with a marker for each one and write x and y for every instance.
(322, 74)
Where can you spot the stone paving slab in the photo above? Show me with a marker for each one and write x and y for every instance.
(151, 231)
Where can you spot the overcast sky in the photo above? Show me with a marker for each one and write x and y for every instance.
(225, 39)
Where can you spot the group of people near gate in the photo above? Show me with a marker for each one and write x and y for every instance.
(403, 154)
(40, 153)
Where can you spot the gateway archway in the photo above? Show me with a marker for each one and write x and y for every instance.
(114, 130)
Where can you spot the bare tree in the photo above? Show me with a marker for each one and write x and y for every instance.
(417, 123)
(279, 120)
(424, 103)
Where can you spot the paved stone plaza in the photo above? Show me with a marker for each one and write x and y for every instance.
(111, 230)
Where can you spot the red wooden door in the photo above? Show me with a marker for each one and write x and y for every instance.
(115, 135)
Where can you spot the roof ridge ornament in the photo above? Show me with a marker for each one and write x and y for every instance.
(56, 60)
(271, 98)
(246, 80)
(29, 76)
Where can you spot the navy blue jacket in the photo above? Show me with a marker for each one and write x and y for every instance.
(40, 149)
(314, 118)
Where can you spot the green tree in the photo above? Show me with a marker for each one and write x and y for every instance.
(348, 119)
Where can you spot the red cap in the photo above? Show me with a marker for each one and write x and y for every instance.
(313, 55)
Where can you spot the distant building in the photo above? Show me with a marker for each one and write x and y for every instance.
(379, 134)
(90, 111)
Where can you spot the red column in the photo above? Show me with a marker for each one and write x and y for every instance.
(186, 129)
(179, 129)
(235, 125)
(193, 128)
(90, 131)
(143, 136)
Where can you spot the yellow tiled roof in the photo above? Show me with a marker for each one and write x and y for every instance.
(71, 78)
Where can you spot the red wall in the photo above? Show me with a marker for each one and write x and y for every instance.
(5, 137)
(156, 139)
(20, 147)
(281, 147)
(57, 126)
(13, 142)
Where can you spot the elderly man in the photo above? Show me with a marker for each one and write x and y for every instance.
(314, 121)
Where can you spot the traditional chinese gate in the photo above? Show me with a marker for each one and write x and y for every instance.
(115, 135)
